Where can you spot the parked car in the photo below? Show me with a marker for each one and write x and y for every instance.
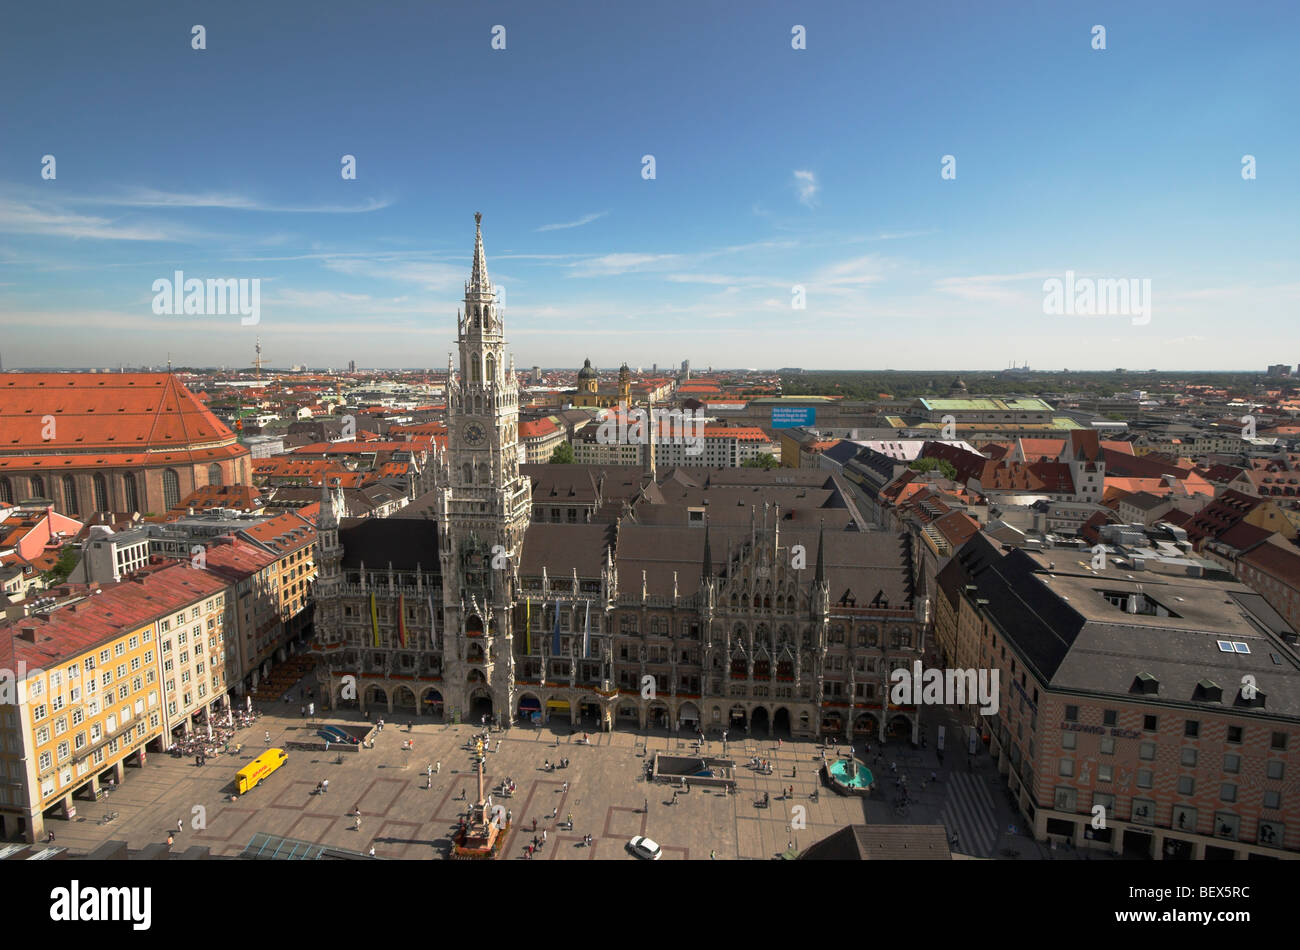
(643, 847)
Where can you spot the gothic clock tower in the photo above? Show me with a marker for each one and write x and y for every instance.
(484, 507)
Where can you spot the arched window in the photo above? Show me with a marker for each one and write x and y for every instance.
(132, 496)
(469, 473)
(38, 487)
(491, 376)
(214, 474)
(6, 492)
(171, 489)
(473, 368)
(101, 492)
(70, 495)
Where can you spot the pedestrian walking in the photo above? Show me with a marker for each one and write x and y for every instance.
(268, 737)
(170, 840)
(510, 817)
(372, 850)
(302, 711)
(49, 839)
(179, 825)
(565, 787)
(713, 855)
(438, 768)
(357, 826)
(543, 836)
(325, 786)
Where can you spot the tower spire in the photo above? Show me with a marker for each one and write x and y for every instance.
(820, 574)
(478, 279)
(708, 553)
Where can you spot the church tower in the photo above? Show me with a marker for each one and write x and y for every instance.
(484, 506)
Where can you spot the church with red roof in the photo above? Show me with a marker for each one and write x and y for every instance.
(124, 442)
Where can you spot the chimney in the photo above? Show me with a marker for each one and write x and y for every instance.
(28, 634)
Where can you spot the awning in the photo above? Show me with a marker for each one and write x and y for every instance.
(556, 704)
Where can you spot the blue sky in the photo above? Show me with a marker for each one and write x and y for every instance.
(775, 167)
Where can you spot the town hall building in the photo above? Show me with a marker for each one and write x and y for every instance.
(702, 599)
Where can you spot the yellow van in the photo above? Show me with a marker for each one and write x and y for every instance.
(252, 774)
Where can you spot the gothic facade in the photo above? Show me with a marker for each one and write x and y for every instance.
(709, 599)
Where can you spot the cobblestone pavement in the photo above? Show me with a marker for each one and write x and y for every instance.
(403, 818)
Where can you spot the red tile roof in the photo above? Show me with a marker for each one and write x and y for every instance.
(117, 413)
(130, 604)
(535, 428)
(285, 533)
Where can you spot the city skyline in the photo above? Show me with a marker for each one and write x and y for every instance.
(763, 183)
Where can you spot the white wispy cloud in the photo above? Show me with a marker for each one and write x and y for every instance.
(900, 235)
(430, 275)
(994, 288)
(805, 182)
(853, 273)
(608, 265)
(154, 198)
(21, 217)
(585, 219)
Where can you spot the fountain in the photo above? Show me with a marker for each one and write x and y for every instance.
(849, 777)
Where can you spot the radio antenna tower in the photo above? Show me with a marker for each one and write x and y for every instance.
(258, 362)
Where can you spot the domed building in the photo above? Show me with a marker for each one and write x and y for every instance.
(589, 394)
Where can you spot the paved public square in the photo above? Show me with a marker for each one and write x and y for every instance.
(403, 818)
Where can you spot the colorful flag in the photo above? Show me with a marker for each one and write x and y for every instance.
(374, 620)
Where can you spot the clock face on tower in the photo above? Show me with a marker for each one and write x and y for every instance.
(474, 434)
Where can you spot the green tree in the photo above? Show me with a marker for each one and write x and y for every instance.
(563, 454)
(946, 468)
(765, 461)
(63, 567)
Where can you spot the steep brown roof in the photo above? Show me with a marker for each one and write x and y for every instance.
(103, 412)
